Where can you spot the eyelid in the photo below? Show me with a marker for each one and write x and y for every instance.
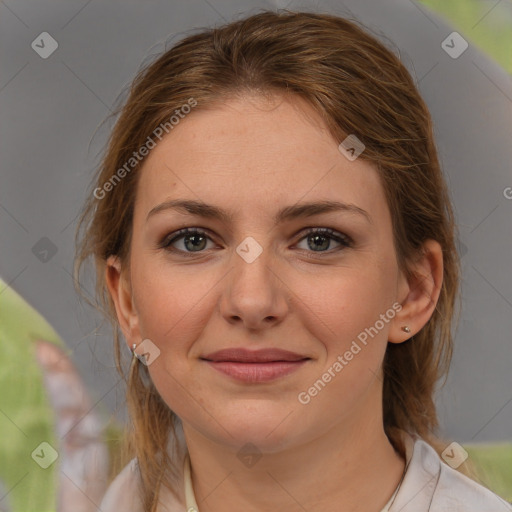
(333, 233)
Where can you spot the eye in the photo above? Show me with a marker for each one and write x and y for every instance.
(194, 240)
(321, 238)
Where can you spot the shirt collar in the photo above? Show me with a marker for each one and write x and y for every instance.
(421, 476)
(190, 499)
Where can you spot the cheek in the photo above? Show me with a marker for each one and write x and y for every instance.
(170, 304)
(340, 304)
(342, 310)
(173, 309)
(345, 317)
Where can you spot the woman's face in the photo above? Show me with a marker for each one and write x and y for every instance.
(254, 277)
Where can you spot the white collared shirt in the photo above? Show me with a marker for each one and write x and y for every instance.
(429, 485)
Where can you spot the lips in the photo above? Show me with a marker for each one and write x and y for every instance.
(255, 366)
(242, 355)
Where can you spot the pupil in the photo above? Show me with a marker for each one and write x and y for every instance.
(316, 238)
(196, 243)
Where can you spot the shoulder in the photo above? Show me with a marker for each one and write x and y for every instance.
(457, 492)
(431, 484)
(123, 493)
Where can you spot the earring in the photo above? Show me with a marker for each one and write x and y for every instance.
(134, 346)
(405, 328)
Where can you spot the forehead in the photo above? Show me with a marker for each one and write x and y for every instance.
(256, 155)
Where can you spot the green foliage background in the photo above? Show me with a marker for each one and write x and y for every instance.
(485, 24)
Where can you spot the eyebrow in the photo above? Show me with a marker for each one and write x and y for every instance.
(288, 213)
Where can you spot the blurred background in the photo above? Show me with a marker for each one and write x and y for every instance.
(63, 65)
(485, 23)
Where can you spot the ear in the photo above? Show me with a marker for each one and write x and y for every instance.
(120, 291)
(419, 293)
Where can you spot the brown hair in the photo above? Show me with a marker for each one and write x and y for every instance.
(358, 86)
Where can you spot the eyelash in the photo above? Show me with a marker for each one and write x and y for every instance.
(168, 240)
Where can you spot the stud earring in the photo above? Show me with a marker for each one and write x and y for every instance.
(405, 328)
(134, 346)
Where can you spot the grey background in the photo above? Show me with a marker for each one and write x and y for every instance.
(50, 139)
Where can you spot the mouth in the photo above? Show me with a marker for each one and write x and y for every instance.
(242, 355)
(255, 366)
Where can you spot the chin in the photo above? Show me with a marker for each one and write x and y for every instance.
(268, 432)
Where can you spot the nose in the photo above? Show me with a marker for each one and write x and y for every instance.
(254, 295)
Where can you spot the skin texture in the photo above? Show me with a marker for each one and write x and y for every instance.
(252, 158)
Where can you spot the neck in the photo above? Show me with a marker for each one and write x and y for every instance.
(351, 467)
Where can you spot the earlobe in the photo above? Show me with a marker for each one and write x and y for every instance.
(418, 293)
(120, 291)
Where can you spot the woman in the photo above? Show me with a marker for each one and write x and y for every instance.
(274, 238)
